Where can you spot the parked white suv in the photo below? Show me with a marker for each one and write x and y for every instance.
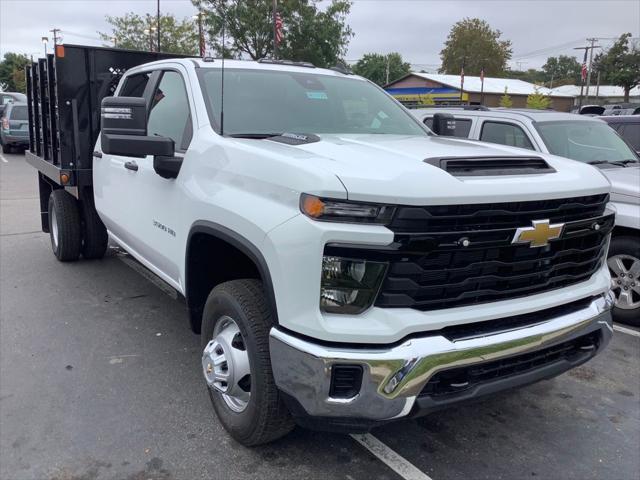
(581, 138)
(343, 266)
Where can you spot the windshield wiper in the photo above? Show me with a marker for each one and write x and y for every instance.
(629, 160)
(606, 162)
(257, 136)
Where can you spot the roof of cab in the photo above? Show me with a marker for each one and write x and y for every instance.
(216, 63)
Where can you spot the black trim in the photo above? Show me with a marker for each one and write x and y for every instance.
(242, 244)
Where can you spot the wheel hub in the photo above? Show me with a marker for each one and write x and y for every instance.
(225, 365)
(625, 280)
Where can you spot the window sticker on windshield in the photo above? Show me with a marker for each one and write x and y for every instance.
(317, 95)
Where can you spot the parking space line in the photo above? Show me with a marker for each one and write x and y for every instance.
(3, 159)
(389, 457)
(626, 330)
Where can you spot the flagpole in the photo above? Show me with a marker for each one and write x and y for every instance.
(482, 86)
(275, 34)
(461, 81)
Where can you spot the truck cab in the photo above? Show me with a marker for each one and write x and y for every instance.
(343, 266)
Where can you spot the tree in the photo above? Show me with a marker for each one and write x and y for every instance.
(12, 72)
(136, 32)
(531, 75)
(505, 100)
(311, 34)
(473, 42)
(562, 70)
(620, 65)
(382, 69)
(538, 100)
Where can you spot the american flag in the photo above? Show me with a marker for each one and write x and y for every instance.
(279, 33)
(583, 71)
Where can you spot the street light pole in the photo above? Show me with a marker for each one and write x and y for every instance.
(158, 24)
(200, 34)
(45, 40)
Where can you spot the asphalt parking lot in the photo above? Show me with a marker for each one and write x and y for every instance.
(100, 379)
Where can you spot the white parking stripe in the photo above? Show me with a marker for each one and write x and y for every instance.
(626, 330)
(395, 462)
(3, 159)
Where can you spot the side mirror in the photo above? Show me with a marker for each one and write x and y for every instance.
(124, 132)
(444, 124)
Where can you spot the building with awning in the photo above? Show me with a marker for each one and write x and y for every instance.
(416, 89)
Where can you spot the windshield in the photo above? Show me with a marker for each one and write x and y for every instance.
(584, 141)
(268, 102)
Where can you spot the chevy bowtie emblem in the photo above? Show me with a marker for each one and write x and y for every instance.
(539, 234)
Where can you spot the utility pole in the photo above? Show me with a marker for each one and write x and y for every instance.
(387, 70)
(598, 86)
(158, 25)
(586, 49)
(55, 37)
(593, 45)
(200, 35)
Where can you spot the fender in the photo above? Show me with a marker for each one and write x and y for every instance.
(243, 245)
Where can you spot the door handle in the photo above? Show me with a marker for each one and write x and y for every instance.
(97, 154)
(131, 166)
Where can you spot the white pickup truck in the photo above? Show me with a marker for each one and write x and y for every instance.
(343, 266)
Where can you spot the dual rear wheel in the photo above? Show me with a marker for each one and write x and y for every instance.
(75, 228)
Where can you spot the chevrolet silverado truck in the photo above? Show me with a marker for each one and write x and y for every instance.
(343, 266)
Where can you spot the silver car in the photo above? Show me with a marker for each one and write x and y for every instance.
(581, 138)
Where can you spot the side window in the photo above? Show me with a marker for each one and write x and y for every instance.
(4, 99)
(169, 115)
(631, 133)
(505, 134)
(134, 85)
(463, 126)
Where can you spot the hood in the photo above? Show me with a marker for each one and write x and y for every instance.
(624, 181)
(391, 169)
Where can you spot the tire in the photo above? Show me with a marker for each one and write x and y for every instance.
(264, 417)
(624, 252)
(94, 234)
(6, 149)
(64, 226)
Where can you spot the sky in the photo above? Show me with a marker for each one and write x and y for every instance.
(415, 28)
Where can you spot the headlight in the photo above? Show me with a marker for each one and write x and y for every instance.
(349, 286)
(344, 211)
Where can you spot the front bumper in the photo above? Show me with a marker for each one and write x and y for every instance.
(394, 376)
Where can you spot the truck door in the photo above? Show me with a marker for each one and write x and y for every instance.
(155, 203)
(112, 175)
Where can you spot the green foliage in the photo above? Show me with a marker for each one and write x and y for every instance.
(538, 100)
(563, 70)
(505, 100)
(620, 65)
(374, 67)
(12, 72)
(136, 32)
(311, 34)
(426, 100)
(475, 43)
(531, 75)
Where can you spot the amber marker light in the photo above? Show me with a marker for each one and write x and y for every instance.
(312, 206)
(64, 178)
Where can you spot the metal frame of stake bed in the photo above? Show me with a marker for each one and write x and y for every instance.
(64, 93)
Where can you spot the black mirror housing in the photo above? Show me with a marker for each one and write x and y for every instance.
(124, 116)
(167, 167)
(137, 145)
(444, 124)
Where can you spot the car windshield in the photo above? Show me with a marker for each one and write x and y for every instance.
(589, 142)
(271, 102)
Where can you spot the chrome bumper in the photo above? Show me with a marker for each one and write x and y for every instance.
(393, 376)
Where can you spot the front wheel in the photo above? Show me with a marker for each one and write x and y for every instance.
(237, 366)
(624, 265)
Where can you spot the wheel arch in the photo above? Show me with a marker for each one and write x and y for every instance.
(619, 231)
(228, 246)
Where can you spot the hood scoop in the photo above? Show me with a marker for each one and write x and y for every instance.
(295, 138)
(490, 166)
